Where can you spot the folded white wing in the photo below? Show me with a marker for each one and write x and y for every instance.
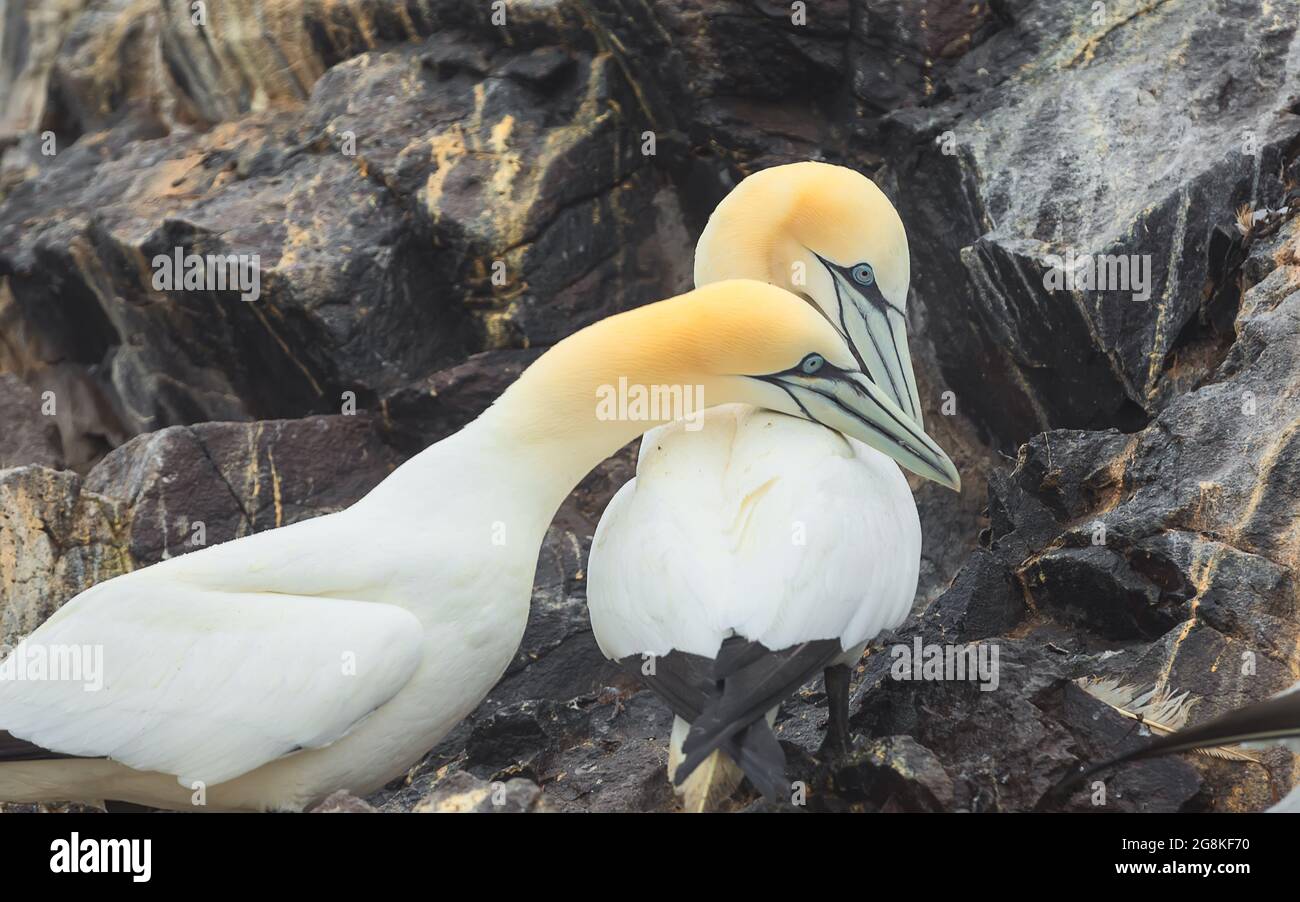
(203, 684)
(762, 525)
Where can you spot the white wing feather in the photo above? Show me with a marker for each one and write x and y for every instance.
(207, 684)
(762, 525)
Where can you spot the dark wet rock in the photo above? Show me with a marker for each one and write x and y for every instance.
(85, 95)
(742, 78)
(1059, 137)
(539, 199)
(1096, 588)
(904, 56)
(198, 355)
(119, 58)
(32, 33)
(983, 600)
(30, 437)
(1168, 784)
(402, 215)
(88, 422)
(950, 524)
(558, 658)
(1175, 545)
(433, 408)
(893, 773)
(600, 752)
(596, 752)
(1014, 741)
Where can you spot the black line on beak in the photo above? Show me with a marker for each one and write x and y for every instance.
(876, 300)
(910, 427)
(893, 340)
(785, 388)
(916, 447)
(844, 327)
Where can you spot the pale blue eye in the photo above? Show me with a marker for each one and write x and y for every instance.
(863, 274)
(812, 363)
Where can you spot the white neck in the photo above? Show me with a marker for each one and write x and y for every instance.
(527, 460)
(549, 429)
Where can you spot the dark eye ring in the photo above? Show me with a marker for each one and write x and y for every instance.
(812, 363)
(863, 274)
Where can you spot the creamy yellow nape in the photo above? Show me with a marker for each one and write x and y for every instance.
(712, 337)
(771, 222)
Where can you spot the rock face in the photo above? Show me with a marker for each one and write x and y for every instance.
(1123, 172)
(406, 207)
(429, 196)
(30, 436)
(54, 542)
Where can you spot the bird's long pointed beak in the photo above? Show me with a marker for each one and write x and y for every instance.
(877, 332)
(851, 403)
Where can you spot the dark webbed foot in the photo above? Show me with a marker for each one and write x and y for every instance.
(837, 742)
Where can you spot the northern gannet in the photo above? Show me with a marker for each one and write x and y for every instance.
(271, 671)
(748, 555)
(1274, 721)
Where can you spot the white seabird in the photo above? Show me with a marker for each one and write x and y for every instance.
(271, 671)
(747, 556)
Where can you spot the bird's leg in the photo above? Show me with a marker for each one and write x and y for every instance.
(837, 742)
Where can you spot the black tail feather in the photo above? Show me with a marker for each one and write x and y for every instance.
(736, 655)
(749, 692)
(761, 758)
(725, 700)
(683, 681)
